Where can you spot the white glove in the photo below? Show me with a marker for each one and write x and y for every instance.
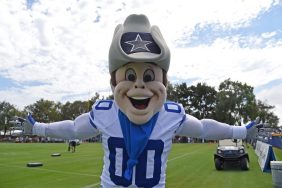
(252, 128)
(28, 125)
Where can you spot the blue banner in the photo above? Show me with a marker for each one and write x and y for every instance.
(265, 155)
(275, 141)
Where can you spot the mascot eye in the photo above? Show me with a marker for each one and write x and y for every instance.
(149, 75)
(130, 75)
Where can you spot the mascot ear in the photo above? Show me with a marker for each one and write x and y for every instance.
(112, 87)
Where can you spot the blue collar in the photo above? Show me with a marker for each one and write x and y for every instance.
(135, 139)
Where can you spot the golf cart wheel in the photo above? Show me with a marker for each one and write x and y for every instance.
(244, 164)
(218, 164)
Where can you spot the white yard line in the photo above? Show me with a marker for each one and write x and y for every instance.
(93, 175)
(92, 186)
(181, 156)
(50, 170)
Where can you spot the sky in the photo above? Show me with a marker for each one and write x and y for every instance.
(58, 50)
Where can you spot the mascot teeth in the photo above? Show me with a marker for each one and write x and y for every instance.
(139, 98)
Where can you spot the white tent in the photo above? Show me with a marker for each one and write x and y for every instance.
(12, 132)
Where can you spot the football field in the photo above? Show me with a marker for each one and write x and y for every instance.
(189, 165)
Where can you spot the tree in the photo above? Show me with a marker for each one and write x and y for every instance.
(95, 98)
(7, 112)
(235, 103)
(264, 112)
(72, 110)
(198, 100)
(171, 92)
(182, 95)
(45, 111)
(201, 101)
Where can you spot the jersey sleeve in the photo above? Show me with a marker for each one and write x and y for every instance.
(80, 128)
(170, 118)
(210, 129)
(103, 115)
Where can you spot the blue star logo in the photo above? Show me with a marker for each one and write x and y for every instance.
(138, 43)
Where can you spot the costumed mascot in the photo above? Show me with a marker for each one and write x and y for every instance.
(138, 126)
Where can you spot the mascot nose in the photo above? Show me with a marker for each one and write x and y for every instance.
(139, 84)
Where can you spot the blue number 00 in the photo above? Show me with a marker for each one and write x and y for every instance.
(141, 180)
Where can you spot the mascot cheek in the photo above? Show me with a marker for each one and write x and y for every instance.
(120, 96)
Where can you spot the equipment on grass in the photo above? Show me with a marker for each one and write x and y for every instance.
(34, 164)
(56, 155)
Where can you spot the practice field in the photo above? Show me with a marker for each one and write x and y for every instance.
(189, 165)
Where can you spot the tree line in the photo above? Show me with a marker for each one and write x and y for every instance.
(233, 103)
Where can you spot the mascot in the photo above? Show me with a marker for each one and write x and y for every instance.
(138, 126)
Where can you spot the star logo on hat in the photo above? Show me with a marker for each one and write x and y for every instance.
(138, 43)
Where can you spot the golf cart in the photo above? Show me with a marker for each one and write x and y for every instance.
(231, 151)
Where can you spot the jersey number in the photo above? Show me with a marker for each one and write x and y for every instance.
(150, 158)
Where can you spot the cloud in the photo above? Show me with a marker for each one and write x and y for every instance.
(58, 49)
(268, 34)
(226, 59)
(272, 95)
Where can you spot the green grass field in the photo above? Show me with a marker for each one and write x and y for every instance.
(189, 165)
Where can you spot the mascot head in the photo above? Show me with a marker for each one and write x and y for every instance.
(138, 63)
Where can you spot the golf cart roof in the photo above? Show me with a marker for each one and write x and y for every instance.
(230, 142)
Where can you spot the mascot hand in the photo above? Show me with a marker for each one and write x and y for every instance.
(28, 125)
(252, 128)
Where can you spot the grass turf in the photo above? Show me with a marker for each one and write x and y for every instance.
(189, 165)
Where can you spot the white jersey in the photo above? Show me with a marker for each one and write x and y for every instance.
(150, 170)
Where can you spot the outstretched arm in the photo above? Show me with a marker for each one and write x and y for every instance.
(80, 128)
(210, 129)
